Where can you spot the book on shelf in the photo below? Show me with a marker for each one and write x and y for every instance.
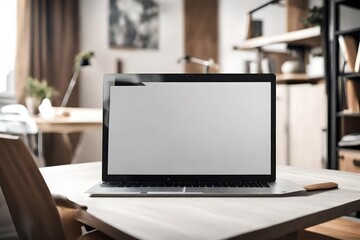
(357, 61)
(267, 65)
(350, 140)
(349, 49)
(353, 95)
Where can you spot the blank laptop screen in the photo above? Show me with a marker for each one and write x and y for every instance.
(207, 128)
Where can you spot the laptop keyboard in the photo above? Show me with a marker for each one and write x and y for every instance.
(189, 184)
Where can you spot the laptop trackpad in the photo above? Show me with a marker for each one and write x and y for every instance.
(159, 190)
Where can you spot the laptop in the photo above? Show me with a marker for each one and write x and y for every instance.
(189, 135)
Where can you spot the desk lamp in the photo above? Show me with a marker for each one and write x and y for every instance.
(250, 26)
(205, 63)
(82, 59)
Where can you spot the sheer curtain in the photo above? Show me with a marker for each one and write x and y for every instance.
(47, 42)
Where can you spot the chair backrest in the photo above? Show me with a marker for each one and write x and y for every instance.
(30, 203)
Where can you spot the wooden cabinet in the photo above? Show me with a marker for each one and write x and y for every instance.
(349, 160)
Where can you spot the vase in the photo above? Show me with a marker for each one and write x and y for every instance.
(32, 105)
(291, 67)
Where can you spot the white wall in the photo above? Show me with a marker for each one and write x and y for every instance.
(94, 36)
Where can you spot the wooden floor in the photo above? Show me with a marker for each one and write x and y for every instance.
(340, 228)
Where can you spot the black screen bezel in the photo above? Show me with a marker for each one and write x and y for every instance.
(138, 79)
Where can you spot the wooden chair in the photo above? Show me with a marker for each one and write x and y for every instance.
(35, 212)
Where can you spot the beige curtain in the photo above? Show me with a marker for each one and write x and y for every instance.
(47, 43)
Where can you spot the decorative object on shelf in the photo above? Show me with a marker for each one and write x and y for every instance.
(316, 65)
(46, 110)
(82, 59)
(296, 65)
(205, 63)
(253, 67)
(292, 66)
(134, 24)
(37, 91)
(267, 65)
(255, 26)
(315, 17)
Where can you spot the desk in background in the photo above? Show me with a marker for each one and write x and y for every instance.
(80, 120)
(212, 217)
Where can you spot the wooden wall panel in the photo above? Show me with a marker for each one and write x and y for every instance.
(296, 10)
(201, 31)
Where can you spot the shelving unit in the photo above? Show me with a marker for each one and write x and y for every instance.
(297, 78)
(345, 114)
(349, 3)
(341, 121)
(299, 39)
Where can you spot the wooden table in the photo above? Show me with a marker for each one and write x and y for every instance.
(212, 218)
(78, 121)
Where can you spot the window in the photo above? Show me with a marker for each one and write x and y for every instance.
(8, 9)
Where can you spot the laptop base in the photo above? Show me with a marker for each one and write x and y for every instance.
(279, 188)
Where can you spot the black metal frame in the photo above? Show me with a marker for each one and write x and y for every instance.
(332, 26)
(331, 52)
(264, 5)
(138, 79)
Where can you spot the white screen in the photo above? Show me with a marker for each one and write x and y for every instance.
(190, 128)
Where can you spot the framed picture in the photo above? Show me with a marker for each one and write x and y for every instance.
(134, 24)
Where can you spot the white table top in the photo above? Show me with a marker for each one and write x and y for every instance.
(211, 218)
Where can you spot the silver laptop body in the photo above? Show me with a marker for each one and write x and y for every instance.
(189, 135)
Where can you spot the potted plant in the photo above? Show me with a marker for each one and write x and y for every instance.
(315, 17)
(37, 91)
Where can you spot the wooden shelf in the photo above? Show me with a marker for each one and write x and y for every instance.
(304, 37)
(350, 75)
(297, 78)
(352, 31)
(347, 114)
(352, 148)
(349, 3)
